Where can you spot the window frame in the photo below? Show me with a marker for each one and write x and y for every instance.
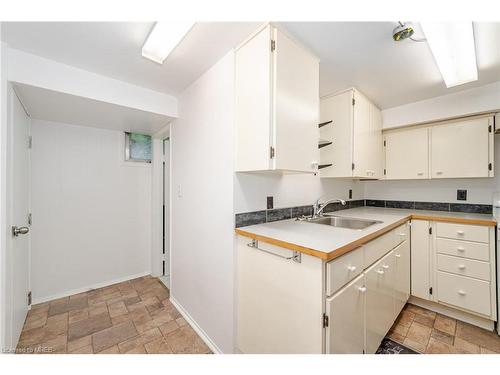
(128, 158)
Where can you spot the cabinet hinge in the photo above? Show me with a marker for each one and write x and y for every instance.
(385, 172)
(271, 152)
(352, 166)
(489, 129)
(430, 290)
(325, 320)
(30, 141)
(384, 143)
(430, 230)
(490, 166)
(353, 101)
(30, 218)
(29, 298)
(273, 45)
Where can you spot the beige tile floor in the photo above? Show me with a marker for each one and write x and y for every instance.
(428, 332)
(130, 317)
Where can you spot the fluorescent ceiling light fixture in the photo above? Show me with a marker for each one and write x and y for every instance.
(163, 38)
(452, 44)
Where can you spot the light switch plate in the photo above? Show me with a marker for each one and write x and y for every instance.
(270, 203)
(461, 195)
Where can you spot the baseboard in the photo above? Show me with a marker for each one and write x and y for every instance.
(87, 288)
(454, 313)
(213, 347)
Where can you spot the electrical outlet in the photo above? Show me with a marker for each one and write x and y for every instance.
(350, 193)
(461, 195)
(270, 203)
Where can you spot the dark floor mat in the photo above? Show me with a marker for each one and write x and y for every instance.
(391, 347)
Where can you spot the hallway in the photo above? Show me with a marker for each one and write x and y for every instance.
(134, 316)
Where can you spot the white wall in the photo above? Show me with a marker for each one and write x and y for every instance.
(251, 190)
(91, 211)
(466, 102)
(202, 252)
(40, 72)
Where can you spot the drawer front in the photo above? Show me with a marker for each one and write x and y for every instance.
(469, 294)
(401, 234)
(472, 250)
(477, 233)
(377, 248)
(342, 270)
(464, 267)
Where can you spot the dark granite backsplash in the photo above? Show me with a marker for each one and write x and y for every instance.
(263, 216)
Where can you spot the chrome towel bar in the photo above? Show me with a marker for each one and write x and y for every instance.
(296, 257)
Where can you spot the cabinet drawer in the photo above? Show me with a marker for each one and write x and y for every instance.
(342, 270)
(477, 233)
(378, 247)
(469, 294)
(472, 250)
(401, 233)
(464, 267)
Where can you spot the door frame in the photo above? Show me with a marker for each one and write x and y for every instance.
(157, 256)
(7, 93)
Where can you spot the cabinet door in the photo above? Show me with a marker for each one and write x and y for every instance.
(407, 154)
(460, 149)
(296, 106)
(339, 110)
(346, 311)
(420, 259)
(376, 143)
(253, 102)
(379, 280)
(402, 276)
(362, 150)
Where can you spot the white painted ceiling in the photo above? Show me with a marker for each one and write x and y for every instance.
(114, 49)
(364, 55)
(56, 106)
(359, 54)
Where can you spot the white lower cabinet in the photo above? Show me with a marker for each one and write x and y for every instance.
(346, 312)
(379, 301)
(402, 275)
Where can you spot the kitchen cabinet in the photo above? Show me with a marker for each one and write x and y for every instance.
(277, 101)
(407, 154)
(461, 149)
(452, 149)
(350, 136)
(421, 259)
(346, 312)
(380, 309)
(452, 265)
(402, 275)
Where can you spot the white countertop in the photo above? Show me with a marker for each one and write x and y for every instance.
(327, 239)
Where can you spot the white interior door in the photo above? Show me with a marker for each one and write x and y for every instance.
(19, 257)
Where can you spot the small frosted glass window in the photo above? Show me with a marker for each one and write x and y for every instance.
(138, 147)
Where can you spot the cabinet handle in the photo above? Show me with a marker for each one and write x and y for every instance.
(385, 266)
(461, 267)
(439, 172)
(380, 272)
(460, 249)
(362, 289)
(351, 268)
(460, 232)
(462, 293)
(397, 255)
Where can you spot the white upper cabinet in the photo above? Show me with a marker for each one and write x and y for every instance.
(407, 154)
(452, 149)
(277, 104)
(350, 136)
(461, 149)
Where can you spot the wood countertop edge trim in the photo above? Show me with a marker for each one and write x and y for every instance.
(361, 241)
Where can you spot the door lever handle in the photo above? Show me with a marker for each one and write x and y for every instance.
(16, 231)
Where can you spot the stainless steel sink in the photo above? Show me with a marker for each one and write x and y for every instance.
(344, 222)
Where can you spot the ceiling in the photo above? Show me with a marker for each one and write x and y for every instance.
(359, 54)
(114, 49)
(56, 106)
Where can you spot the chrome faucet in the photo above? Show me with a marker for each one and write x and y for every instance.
(319, 207)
